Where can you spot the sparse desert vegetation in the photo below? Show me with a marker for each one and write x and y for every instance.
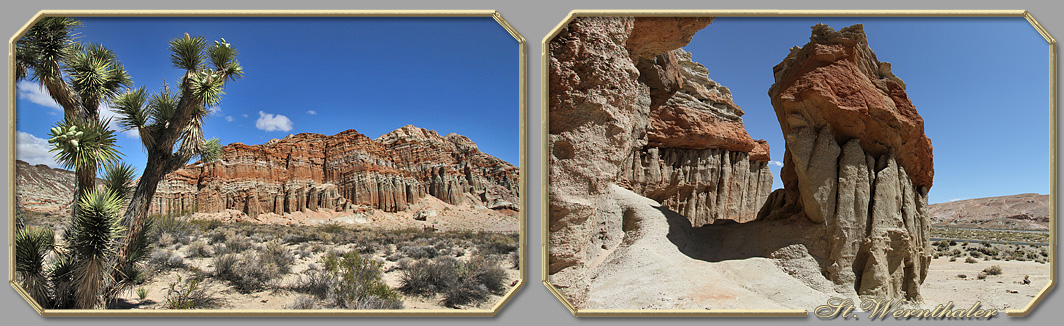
(202, 264)
(997, 245)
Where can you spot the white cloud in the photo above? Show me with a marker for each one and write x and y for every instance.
(106, 112)
(34, 150)
(36, 94)
(312, 112)
(271, 122)
(228, 118)
(956, 199)
(776, 163)
(244, 114)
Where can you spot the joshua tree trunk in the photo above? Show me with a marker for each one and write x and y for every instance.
(140, 203)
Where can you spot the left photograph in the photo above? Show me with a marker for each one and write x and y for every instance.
(340, 163)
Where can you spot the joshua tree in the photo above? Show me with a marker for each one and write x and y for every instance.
(172, 118)
(32, 246)
(82, 273)
(79, 77)
(92, 243)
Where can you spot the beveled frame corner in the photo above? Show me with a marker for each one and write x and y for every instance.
(522, 168)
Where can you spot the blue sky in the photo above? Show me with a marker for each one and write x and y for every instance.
(981, 85)
(320, 75)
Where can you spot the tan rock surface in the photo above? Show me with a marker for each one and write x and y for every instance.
(599, 107)
(627, 107)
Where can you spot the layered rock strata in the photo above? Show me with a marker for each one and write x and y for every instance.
(347, 171)
(857, 163)
(627, 108)
(43, 189)
(699, 160)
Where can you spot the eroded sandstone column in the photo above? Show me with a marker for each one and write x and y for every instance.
(857, 162)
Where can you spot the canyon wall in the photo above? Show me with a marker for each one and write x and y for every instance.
(627, 107)
(699, 160)
(310, 172)
(857, 163)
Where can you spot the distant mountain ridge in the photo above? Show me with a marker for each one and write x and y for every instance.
(43, 189)
(1020, 212)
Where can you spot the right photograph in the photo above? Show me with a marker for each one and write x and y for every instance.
(738, 165)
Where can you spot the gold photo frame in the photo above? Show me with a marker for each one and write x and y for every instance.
(545, 97)
(517, 210)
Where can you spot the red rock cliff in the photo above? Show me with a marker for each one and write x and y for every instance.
(309, 172)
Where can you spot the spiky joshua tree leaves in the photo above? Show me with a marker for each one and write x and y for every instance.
(32, 246)
(92, 243)
(170, 122)
(101, 247)
(79, 77)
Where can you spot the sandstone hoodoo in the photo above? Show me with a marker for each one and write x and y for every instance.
(343, 172)
(628, 108)
(857, 163)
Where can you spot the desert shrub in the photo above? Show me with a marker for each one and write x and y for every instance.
(461, 283)
(206, 224)
(982, 275)
(199, 248)
(993, 270)
(142, 293)
(953, 259)
(316, 282)
(358, 283)
(378, 303)
(487, 273)
(296, 238)
(218, 236)
(962, 276)
(225, 265)
(419, 252)
(190, 295)
(165, 240)
(975, 254)
(1032, 255)
(429, 276)
(985, 244)
(166, 259)
(970, 260)
(252, 272)
(275, 253)
(177, 227)
(499, 244)
(465, 291)
(302, 303)
(237, 243)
